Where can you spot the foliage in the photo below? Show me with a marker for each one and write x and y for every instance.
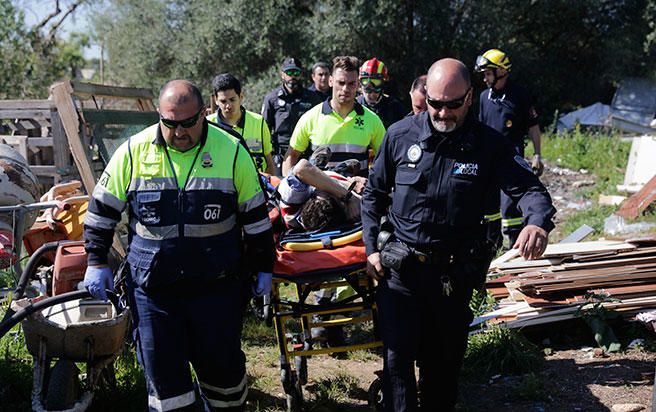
(572, 53)
(33, 60)
(482, 302)
(500, 351)
(596, 315)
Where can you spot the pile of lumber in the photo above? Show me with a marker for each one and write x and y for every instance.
(557, 286)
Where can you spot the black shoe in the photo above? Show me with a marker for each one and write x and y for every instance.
(348, 168)
(320, 157)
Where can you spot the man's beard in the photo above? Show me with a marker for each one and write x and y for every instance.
(293, 85)
(445, 125)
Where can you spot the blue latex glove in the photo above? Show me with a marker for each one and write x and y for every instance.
(97, 279)
(263, 284)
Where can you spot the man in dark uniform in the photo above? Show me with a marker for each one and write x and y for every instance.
(431, 178)
(418, 95)
(284, 105)
(508, 108)
(320, 73)
(373, 75)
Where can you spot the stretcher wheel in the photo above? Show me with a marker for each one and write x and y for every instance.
(375, 395)
(267, 314)
(63, 386)
(295, 397)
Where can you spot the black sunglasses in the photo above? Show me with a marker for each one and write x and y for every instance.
(451, 104)
(293, 72)
(185, 124)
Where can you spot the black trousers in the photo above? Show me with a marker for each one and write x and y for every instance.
(418, 322)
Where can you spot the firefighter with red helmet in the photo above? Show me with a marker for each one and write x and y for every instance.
(373, 76)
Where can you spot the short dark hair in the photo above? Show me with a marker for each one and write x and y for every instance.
(319, 212)
(346, 63)
(226, 81)
(419, 84)
(322, 65)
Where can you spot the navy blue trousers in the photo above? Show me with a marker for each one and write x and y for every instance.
(198, 324)
(419, 323)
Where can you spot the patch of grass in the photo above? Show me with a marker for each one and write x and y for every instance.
(603, 156)
(500, 351)
(336, 390)
(362, 355)
(532, 388)
(256, 332)
(593, 216)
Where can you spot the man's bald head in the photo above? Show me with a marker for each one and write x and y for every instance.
(180, 92)
(449, 71)
(448, 94)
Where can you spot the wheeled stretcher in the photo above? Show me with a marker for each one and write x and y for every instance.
(311, 263)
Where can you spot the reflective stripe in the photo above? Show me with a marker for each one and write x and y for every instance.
(516, 221)
(228, 404)
(211, 183)
(492, 218)
(258, 227)
(252, 203)
(155, 183)
(226, 391)
(169, 404)
(154, 232)
(171, 231)
(100, 222)
(106, 198)
(344, 148)
(211, 229)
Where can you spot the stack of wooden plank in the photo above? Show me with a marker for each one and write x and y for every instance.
(554, 287)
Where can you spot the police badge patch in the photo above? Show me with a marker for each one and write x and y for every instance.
(414, 153)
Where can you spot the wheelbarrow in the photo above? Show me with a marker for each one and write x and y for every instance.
(67, 328)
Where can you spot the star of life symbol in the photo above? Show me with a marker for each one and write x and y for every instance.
(414, 153)
(359, 121)
(466, 169)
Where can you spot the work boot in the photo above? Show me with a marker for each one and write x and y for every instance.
(320, 157)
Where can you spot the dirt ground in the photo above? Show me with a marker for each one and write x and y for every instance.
(572, 378)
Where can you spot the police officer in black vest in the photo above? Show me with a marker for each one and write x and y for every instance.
(284, 105)
(431, 178)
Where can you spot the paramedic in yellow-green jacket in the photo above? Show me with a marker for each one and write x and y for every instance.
(249, 125)
(343, 125)
(196, 212)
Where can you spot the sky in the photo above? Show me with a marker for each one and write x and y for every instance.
(37, 10)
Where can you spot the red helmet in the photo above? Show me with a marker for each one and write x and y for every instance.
(374, 68)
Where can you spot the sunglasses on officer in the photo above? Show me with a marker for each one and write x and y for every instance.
(366, 81)
(185, 124)
(451, 104)
(293, 72)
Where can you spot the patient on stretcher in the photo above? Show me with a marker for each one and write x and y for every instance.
(312, 199)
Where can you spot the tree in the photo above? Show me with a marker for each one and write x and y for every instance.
(34, 58)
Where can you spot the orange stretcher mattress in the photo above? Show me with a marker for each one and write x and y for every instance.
(292, 263)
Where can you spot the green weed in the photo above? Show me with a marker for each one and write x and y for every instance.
(335, 390)
(482, 302)
(500, 351)
(603, 156)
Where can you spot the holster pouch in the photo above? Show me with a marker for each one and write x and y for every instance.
(394, 254)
